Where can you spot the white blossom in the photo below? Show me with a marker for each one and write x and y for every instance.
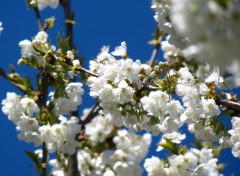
(154, 166)
(193, 162)
(98, 129)
(41, 37)
(26, 48)
(1, 28)
(120, 50)
(12, 107)
(235, 137)
(30, 106)
(215, 77)
(63, 105)
(44, 3)
(61, 137)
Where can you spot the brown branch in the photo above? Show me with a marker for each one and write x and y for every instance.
(44, 160)
(157, 38)
(153, 57)
(87, 71)
(230, 104)
(154, 54)
(8, 78)
(3, 73)
(66, 4)
(92, 113)
(41, 102)
(68, 14)
(39, 21)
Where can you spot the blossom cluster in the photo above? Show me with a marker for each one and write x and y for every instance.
(160, 98)
(23, 112)
(193, 162)
(157, 111)
(27, 50)
(206, 31)
(70, 101)
(40, 53)
(61, 137)
(99, 129)
(199, 109)
(235, 137)
(124, 159)
(116, 84)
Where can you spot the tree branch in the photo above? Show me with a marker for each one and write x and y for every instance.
(68, 14)
(154, 54)
(39, 21)
(87, 71)
(230, 104)
(157, 38)
(66, 4)
(8, 78)
(44, 160)
(41, 101)
(92, 113)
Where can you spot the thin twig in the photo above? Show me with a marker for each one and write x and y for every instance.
(8, 78)
(3, 73)
(41, 101)
(230, 104)
(154, 53)
(157, 40)
(66, 4)
(44, 160)
(42, 98)
(152, 59)
(92, 113)
(39, 21)
(68, 14)
(87, 71)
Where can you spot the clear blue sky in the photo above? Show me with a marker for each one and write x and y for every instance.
(105, 22)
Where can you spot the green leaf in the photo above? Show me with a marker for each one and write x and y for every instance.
(49, 22)
(153, 120)
(12, 69)
(63, 43)
(34, 157)
(71, 22)
(38, 49)
(169, 145)
(51, 106)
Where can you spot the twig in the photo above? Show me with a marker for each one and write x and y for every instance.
(87, 71)
(93, 113)
(152, 88)
(230, 104)
(156, 43)
(3, 73)
(39, 21)
(154, 53)
(153, 57)
(41, 101)
(44, 160)
(5, 76)
(66, 4)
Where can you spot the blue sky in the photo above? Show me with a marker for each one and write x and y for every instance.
(106, 22)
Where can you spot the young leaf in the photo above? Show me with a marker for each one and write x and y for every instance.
(63, 44)
(35, 159)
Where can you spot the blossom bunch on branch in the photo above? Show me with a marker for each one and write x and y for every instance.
(186, 92)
